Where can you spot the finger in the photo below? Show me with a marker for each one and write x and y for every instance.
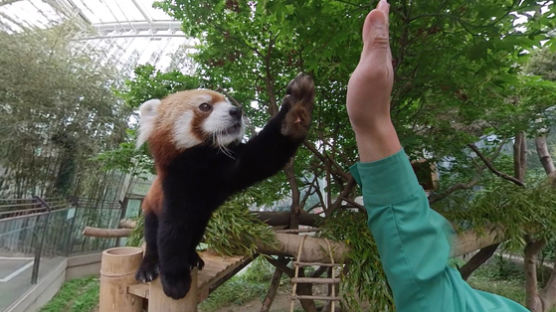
(375, 33)
(384, 7)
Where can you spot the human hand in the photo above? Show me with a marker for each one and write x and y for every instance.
(370, 87)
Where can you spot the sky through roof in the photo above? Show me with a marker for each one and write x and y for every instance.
(130, 32)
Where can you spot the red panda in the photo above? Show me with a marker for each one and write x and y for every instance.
(195, 139)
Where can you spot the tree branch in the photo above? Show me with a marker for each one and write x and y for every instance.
(334, 167)
(491, 167)
(434, 197)
(272, 290)
(477, 260)
(280, 265)
(344, 194)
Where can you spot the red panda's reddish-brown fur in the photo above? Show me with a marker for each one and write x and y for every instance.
(153, 200)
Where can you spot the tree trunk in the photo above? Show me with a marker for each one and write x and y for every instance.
(548, 294)
(520, 156)
(544, 155)
(306, 289)
(532, 299)
(544, 300)
(295, 209)
(277, 218)
(271, 294)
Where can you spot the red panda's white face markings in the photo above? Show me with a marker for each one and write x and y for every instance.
(224, 124)
(188, 118)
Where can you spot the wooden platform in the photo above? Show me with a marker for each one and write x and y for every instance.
(217, 270)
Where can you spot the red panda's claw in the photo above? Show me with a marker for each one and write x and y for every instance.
(146, 273)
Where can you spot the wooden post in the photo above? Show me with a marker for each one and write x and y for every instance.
(117, 272)
(158, 301)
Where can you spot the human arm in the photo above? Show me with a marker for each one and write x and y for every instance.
(369, 89)
(413, 240)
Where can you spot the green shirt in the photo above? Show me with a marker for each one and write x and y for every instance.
(414, 243)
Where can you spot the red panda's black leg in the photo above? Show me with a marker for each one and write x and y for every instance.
(174, 257)
(148, 270)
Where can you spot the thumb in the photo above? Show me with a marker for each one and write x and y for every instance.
(375, 28)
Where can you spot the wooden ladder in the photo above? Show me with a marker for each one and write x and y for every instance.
(314, 280)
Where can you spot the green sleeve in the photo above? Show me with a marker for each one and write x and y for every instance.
(414, 242)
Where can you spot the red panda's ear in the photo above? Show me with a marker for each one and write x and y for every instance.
(148, 112)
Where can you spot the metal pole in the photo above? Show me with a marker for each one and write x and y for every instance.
(38, 250)
(69, 240)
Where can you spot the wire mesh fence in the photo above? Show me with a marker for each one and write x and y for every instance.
(59, 223)
(36, 234)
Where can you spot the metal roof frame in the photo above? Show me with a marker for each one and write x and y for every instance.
(121, 24)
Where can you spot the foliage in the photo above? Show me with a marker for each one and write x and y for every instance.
(78, 295)
(364, 266)
(136, 238)
(147, 83)
(232, 229)
(127, 157)
(542, 63)
(522, 211)
(502, 277)
(56, 110)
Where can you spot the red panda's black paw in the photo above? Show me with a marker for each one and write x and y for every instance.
(147, 272)
(175, 286)
(302, 88)
(196, 262)
(300, 98)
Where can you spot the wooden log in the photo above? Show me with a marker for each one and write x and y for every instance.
(315, 249)
(276, 218)
(158, 301)
(127, 224)
(105, 233)
(469, 241)
(117, 272)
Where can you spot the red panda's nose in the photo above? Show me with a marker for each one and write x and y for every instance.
(235, 112)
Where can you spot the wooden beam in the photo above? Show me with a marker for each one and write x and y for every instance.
(276, 218)
(471, 240)
(105, 233)
(314, 249)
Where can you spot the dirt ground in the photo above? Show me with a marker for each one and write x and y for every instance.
(281, 304)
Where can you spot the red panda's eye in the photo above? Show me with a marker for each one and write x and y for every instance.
(205, 107)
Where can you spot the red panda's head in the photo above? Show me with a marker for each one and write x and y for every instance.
(188, 118)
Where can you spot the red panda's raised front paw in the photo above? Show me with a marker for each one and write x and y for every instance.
(300, 96)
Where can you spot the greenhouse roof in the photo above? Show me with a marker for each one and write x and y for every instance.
(130, 30)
